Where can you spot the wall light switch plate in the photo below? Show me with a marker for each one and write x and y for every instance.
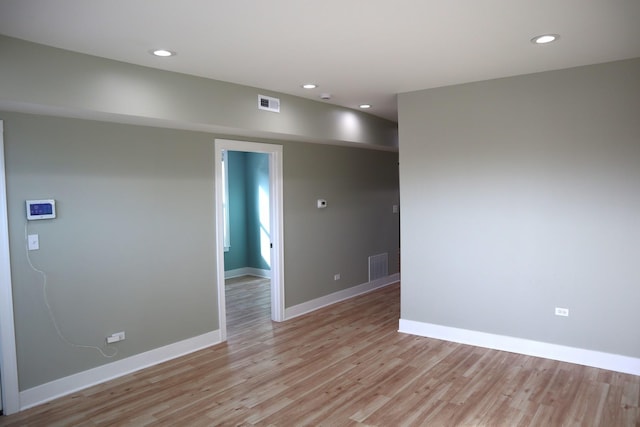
(33, 242)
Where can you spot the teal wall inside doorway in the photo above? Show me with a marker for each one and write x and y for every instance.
(248, 176)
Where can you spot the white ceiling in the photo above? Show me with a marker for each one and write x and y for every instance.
(359, 51)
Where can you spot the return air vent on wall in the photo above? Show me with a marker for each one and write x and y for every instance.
(378, 266)
(268, 103)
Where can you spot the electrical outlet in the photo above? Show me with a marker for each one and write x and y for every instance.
(118, 336)
(562, 312)
(336, 276)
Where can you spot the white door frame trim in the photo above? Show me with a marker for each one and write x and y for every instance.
(276, 225)
(8, 362)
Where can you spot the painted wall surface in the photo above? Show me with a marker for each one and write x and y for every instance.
(248, 211)
(257, 191)
(131, 249)
(37, 78)
(237, 256)
(360, 187)
(521, 195)
(133, 246)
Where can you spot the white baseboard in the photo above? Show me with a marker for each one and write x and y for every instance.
(67, 385)
(580, 356)
(247, 271)
(309, 306)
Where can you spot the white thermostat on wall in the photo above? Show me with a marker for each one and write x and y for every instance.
(41, 209)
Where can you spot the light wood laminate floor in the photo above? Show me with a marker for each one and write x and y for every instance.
(346, 365)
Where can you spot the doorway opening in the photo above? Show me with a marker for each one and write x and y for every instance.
(269, 220)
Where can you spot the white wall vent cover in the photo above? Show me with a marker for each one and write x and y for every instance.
(268, 103)
(378, 266)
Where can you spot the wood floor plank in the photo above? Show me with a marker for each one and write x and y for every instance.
(344, 365)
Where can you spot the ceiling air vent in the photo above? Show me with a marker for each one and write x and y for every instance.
(268, 103)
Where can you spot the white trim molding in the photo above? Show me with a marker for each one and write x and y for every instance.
(580, 356)
(315, 304)
(67, 385)
(276, 225)
(247, 271)
(8, 360)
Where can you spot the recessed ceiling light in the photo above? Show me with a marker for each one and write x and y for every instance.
(309, 86)
(365, 106)
(545, 38)
(162, 52)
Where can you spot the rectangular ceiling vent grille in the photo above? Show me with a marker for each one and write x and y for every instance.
(268, 103)
(378, 266)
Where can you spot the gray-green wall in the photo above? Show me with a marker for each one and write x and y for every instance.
(360, 187)
(37, 78)
(523, 194)
(133, 247)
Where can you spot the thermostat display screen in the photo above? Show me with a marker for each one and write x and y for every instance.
(41, 209)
